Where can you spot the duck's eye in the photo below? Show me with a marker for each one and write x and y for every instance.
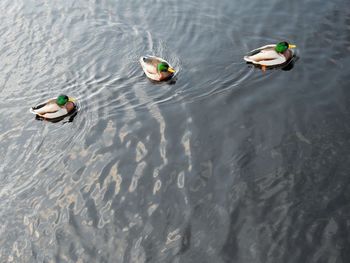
(144, 59)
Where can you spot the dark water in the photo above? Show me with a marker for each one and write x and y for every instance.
(224, 164)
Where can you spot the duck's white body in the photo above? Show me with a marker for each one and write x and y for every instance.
(50, 109)
(268, 56)
(149, 66)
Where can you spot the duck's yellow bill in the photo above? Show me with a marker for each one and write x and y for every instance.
(292, 46)
(171, 70)
(71, 99)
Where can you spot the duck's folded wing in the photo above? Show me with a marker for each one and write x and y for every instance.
(271, 46)
(259, 52)
(273, 62)
(52, 115)
(151, 69)
(265, 57)
(48, 107)
(151, 63)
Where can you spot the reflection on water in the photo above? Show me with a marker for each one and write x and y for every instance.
(225, 163)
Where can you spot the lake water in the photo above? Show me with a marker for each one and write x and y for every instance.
(225, 163)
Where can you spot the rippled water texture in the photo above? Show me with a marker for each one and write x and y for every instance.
(225, 163)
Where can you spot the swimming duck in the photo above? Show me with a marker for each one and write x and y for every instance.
(55, 108)
(271, 55)
(156, 68)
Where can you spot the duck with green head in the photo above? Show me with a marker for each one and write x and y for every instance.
(55, 108)
(156, 68)
(271, 55)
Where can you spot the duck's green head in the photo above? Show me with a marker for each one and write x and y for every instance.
(62, 100)
(164, 67)
(283, 46)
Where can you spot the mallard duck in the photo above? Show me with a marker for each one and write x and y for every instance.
(156, 68)
(271, 55)
(55, 108)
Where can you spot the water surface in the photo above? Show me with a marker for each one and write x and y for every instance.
(225, 163)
